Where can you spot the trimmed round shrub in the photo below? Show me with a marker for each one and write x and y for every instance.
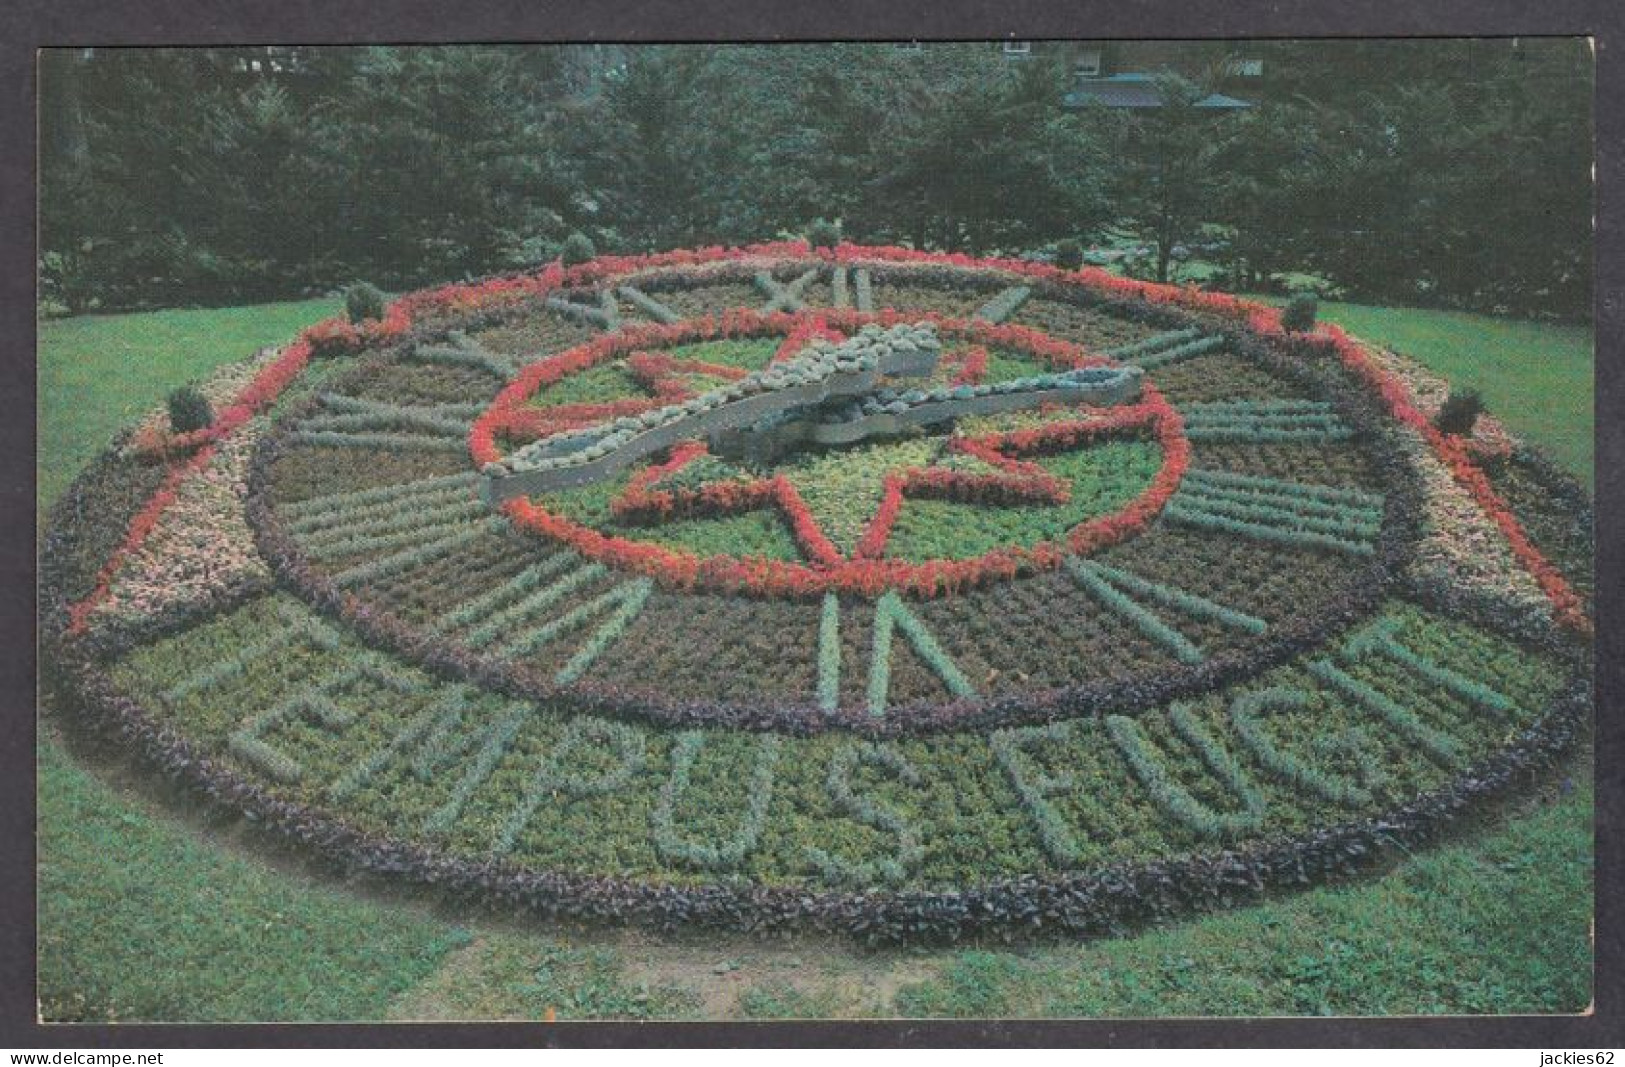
(189, 410)
(823, 234)
(1459, 411)
(578, 248)
(363, 301)
(1069, 255)
(1300, 312)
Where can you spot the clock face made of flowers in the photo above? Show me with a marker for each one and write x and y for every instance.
(911, 476)
(743, 588)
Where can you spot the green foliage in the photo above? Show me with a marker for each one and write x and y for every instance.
(1386, 166)
(502, 975)
(347, 506)
(379, 527)
(435, 722)
(865, 809)
(760, 534)
(648, 304)
(753, 804)
(781, 1000)
(863, 289)
(892, 614)
(829, 653)
(1069, 254)
(1272, 509)
(1524, 888)
(364, 301)
(622, 605)
(247, 744)
(784, 296)
(417, 553)
(401, 532)
(501, 627)
(589, 983)
(1102, 479)
(843, 487)
(823, 234)
(1438, 745)
(498, 366)
(1167, 357)
(1103, 582)
(1156, 343)
(1400, 186)
(595, 385)
(1459, 412)
(293, 627)
(189, 410)
(578, 249)
(1264, 421)
(1168, 173)
(1247, 714)
(382, 439)
(1005, 304)
(975, 984)
(1380, 639)
(1149, 625)
(570, 770)
(1300, 312)
(348, 414)
(262, 949)
(725, 854)
(1152, 769)
(748, 353)
(493, 744)
(1034, 786)
(184, 177)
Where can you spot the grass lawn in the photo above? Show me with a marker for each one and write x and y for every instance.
(140, 919)
(98, 373)
(143, 915)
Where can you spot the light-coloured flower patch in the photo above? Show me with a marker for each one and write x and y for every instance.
(202, 547)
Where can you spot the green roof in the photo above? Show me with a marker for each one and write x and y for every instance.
(1138, 90)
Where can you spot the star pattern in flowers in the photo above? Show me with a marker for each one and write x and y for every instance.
(815, 493)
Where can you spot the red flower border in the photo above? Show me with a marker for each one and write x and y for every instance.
(1567, 606)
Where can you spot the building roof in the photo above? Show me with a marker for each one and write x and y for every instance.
(1137, 90)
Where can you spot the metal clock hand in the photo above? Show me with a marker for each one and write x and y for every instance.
(830, 394)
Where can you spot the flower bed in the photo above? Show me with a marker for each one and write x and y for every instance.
(200, 551)
(1052, 669)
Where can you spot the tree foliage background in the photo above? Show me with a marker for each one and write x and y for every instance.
(1451, 173)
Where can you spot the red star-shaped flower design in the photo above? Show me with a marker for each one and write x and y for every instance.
(1007, 479)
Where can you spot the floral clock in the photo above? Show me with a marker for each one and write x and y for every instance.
(866, 590)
